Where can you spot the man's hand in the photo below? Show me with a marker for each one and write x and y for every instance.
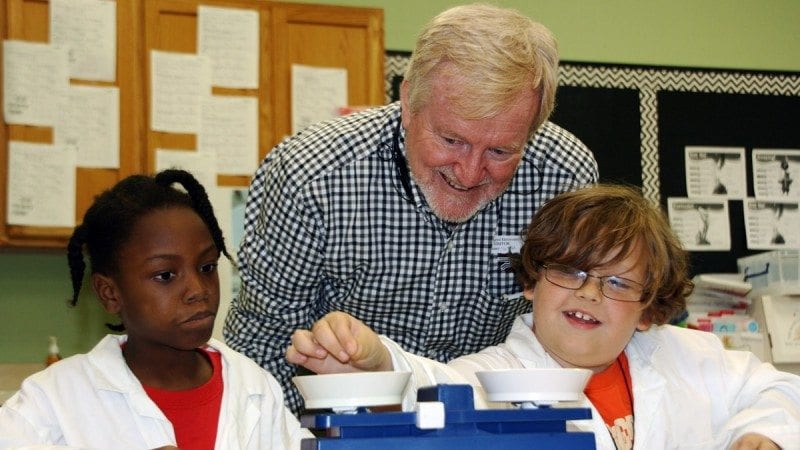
(338, 343)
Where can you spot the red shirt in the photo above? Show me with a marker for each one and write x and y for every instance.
(610, 392)
(194, 413)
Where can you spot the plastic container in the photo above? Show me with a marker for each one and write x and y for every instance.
(771, 268)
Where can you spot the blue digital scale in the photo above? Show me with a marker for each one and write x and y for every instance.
(457, 425)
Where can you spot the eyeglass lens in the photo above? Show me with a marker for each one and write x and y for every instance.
(611, 286)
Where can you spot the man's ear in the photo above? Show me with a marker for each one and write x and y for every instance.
(106, 291)
(405, 110)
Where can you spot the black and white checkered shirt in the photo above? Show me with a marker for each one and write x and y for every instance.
(329, 226)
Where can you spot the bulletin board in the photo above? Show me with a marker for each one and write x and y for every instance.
(157, 49)
(27, 20)
(638, 119)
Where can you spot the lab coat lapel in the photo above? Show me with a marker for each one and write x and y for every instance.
(111, 373)
(240, 412)
(238, 424)
(649, 393)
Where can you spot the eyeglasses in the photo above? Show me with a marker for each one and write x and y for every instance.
(611, 286)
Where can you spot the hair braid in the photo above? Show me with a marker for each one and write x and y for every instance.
(200, 202)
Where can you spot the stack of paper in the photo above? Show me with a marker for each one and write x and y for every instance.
(719, 303)
(731, 283)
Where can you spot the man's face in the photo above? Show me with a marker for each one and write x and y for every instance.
(463, 164)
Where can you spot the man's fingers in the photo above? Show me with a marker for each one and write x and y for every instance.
(295, 357)
(304, 343)
(329, 334)
(345, 328)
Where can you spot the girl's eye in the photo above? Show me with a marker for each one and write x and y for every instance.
(208, 268)
(164, 276)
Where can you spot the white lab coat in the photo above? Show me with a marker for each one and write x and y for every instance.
(94, 401)
(689, 392)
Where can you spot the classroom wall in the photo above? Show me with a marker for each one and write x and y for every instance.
(738, 34)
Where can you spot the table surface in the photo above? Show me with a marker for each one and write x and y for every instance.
(11, 376)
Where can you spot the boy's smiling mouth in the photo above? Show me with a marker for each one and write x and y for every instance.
(581, 317)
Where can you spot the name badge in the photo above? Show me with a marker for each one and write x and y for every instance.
(506, 245)
(503, 247)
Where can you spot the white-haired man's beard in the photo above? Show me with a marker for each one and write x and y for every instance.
(458, 206)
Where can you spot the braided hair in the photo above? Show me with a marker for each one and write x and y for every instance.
(108, 223)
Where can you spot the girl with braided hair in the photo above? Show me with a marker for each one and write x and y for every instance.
(165, 383)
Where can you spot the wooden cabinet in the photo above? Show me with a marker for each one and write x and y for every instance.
(326, 36)
(28, 20)
(289, 33)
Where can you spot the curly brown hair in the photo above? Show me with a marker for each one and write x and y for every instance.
(581, 228)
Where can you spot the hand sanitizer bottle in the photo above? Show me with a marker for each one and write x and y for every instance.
(52, 353)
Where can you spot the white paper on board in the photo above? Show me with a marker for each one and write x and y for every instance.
(702, 224)
(229, 131)
(90, 125)
(179, 82)
(771, 224)
(41, 185)
(715, 172)
(87, 30)
(776, 174)
(317, 94)
(229, 38)
(35, 81)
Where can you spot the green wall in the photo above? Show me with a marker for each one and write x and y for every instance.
(34, 290)
(738, 34)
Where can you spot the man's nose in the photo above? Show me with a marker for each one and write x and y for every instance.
(471, 169)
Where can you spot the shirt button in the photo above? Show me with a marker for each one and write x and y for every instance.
(443, 306)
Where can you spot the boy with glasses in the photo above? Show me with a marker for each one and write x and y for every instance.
(605, 274)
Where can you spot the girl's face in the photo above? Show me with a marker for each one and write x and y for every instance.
(583, 328)
(167, 289)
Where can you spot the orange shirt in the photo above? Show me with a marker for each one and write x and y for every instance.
(194, 413)
(610, 392)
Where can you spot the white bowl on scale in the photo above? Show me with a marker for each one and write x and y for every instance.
(345, 392)
(537, 386)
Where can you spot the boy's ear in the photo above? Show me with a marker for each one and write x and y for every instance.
(644, 324)
(106, 291)
(528, 294)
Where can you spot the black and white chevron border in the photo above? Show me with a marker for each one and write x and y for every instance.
(394, 65)
(648, 81)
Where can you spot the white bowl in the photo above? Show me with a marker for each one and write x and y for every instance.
(541, 386)
(342, 391)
